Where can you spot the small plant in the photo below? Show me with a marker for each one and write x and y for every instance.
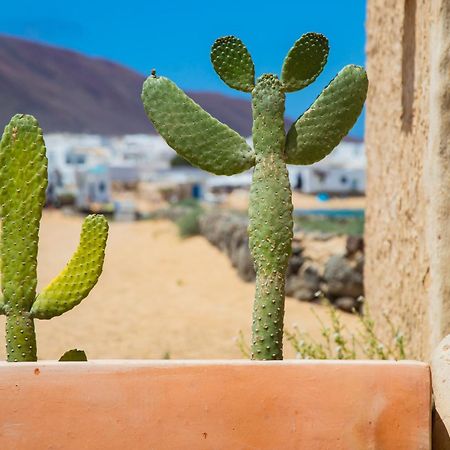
(23, 182)
(73, 356)
(190, 210)
(212, 146)
(188, 224)
(185, 214)
(338, 342)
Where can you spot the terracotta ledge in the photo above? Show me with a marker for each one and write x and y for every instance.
(216, 404)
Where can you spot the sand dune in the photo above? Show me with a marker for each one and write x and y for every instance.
(157, 294)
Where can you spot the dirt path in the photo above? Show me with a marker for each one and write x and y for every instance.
(157, 294)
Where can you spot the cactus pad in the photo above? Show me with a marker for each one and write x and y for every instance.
(192, 132)
(320, 129)
(80, 275)
(304, 61)
(233, 63)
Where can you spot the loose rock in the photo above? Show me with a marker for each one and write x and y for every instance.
(304, 285)
(342, 278)
(347, 304)
(354, 245)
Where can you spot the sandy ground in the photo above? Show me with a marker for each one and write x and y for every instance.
(238, 199)
(158, 294)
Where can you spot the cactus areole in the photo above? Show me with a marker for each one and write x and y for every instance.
(213, 146)
(23, 182)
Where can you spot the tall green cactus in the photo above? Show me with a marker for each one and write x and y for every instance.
(23, 182)
(212, 146)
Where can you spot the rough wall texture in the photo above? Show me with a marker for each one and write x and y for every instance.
(407, 229)
(437, 168)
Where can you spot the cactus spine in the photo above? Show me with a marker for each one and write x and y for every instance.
(23, 182)
(214, 147)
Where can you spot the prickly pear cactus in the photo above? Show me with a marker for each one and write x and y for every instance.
(23, 182)
(212, 146)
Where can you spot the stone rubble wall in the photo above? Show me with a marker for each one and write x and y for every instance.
(340, 279)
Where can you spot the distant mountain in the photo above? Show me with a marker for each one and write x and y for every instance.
(69, 92)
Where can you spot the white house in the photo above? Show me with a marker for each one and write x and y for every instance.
(135, 158)
(132, 158)
(341, 172)
(93, 186)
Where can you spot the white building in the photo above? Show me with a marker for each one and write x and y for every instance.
(341, 172)
(143, 153)
(93, 187)
(130, 158)
(135, 158)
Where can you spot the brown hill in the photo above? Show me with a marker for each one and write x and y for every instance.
(70, 92)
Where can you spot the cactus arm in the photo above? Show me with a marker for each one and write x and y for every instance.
(2, 300)
(192, 132)
(304, 61)
(270, 218)
(80, 275)
(233, 63)
(23, 181)
(320, 129)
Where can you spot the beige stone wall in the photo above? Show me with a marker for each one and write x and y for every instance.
(407, 137)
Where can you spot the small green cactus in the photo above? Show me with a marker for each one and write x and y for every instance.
(212, 146)
(74, 355)
(23, 182)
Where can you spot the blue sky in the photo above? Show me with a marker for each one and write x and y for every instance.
(175, 37)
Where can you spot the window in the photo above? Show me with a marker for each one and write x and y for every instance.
(75, 158)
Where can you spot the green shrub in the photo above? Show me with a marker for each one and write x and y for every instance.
(188, 224)
(339, 343)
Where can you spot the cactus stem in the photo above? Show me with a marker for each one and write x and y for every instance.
(20, 346)
(270, 212)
